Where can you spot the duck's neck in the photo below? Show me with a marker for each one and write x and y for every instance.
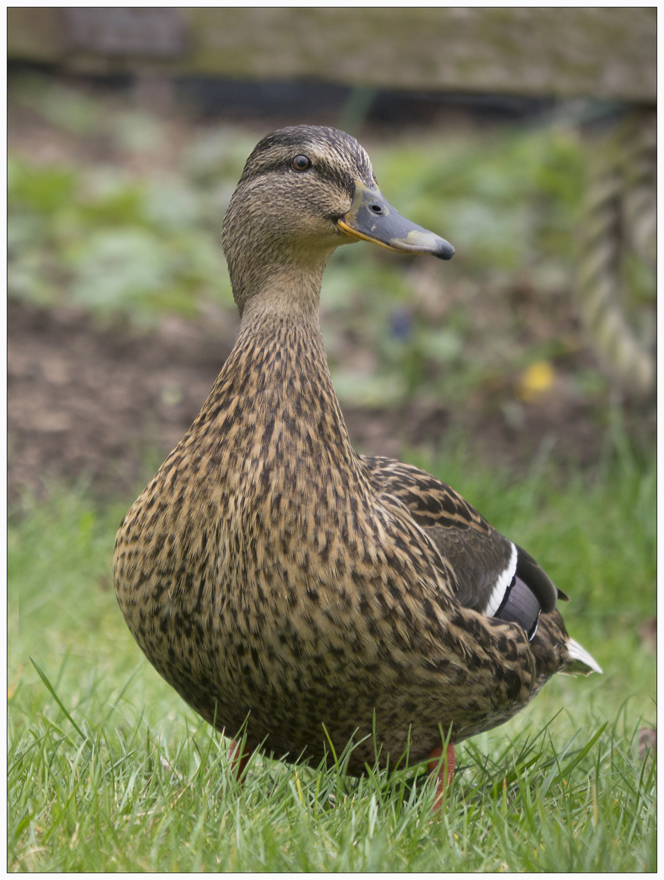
(287, 294)
(277, 384)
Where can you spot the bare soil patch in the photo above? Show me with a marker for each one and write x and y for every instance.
(94, 402)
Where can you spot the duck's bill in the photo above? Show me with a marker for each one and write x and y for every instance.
(372, 218)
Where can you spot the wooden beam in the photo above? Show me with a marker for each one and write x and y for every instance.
(607, 52)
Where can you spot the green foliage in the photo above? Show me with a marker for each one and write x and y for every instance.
(499, 198)
(508, 202)
(110, 243)
(109, 770)
(124, 235)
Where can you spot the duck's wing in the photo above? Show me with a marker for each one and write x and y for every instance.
(495, 577)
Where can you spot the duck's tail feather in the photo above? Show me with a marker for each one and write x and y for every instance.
(580, 660)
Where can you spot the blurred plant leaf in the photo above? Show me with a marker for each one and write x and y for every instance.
(116, 267)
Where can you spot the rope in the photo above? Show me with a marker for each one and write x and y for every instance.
(615, 278)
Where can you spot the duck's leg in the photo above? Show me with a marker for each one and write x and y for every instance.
(239, 759)
(444, 774)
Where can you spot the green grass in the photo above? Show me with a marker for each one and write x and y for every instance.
(109, 770)
(123, 800)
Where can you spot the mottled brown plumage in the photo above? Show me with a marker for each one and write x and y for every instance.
(270, 574)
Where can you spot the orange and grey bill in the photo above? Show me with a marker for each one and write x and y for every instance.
(372, 218)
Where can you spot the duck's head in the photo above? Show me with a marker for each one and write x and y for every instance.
(304, 191)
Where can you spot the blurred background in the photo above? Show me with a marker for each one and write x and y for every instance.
(524, 136)
(522, 372)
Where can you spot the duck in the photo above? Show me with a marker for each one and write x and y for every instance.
(300, 596)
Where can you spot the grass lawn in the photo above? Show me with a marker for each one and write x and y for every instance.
(110, 771)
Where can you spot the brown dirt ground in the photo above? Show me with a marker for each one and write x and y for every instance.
(96, 403)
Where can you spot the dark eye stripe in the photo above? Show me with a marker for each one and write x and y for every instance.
(321, 167)
(333, 175)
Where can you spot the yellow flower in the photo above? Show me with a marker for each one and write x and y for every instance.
(535, 380)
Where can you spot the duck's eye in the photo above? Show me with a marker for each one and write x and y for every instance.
(300, 163)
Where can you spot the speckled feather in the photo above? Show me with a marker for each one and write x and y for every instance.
(270, 574)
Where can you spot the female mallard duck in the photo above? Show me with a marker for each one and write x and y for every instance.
(271, 574)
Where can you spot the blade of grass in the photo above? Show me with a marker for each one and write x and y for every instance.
(51, 690)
